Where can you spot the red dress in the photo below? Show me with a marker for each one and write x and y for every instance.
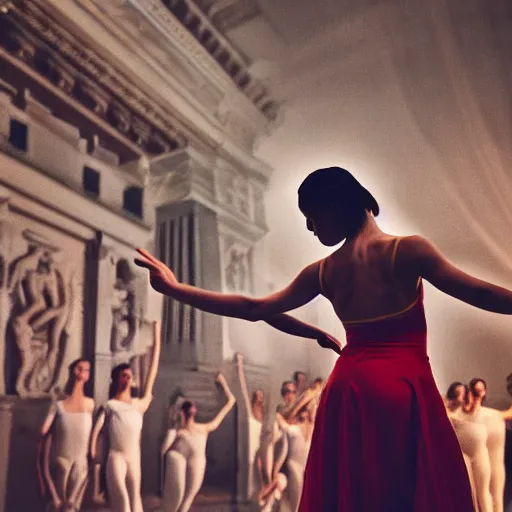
(382, 440)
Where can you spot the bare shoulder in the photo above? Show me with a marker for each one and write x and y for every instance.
(202, 427)
(89, 403)
(416, 249)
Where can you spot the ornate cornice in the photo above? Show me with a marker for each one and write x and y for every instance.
(32, 36)
(220, 49)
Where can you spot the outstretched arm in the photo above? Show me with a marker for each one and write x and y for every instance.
(214, 424)
(153, 369)
(304, 288)
(421, 257)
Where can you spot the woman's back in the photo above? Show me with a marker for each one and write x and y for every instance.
(364, 279)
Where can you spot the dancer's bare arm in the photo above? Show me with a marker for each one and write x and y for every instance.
(507, 415)
(304, 400)
(47, 474)
(290, 325)
(98, 425)
(45, 429)
(423, 258)
(303, 289)
(243, 383)
(145, 401)
(214, 424)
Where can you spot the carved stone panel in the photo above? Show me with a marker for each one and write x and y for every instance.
(237, 266)
(42, 307)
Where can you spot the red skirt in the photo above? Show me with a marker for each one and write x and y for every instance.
(382, 440)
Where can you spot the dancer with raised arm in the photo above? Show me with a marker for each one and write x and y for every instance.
(186, 458)
(382, 439)
(472, 437)
(67, 426)
(255, 409)
(174, 421)
(122, 416)
(299, 429)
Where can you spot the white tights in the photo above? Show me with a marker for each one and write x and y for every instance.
(295, 481)
(71, 479)
(123, 482)
(183, 480)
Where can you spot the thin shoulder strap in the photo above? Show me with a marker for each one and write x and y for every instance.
(321, 276)
(396, 243)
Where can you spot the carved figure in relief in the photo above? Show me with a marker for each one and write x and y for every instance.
(39, 313)
(124, 324)
(236, 271)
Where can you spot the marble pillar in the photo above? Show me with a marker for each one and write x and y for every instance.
(188, 241)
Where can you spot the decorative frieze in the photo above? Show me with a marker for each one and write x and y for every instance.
(224, 55)
(31, 35)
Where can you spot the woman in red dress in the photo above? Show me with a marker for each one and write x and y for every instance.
(382, 440)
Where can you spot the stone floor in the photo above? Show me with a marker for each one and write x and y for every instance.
(201, 504)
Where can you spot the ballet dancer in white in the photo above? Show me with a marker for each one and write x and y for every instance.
(299, 429)
(495, 424)
(122, 416)
(255, 411)
(67, 426)
(472, 436)
(186, 458)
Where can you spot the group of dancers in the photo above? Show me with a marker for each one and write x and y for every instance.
(481, 433)
(81, 446)
(278, 448)
(382, 441)
(74, 440)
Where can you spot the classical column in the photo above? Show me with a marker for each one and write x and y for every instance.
(5, 248)
(187, 239)
(100, 265)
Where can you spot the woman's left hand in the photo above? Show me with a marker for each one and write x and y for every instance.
(327, 341)
(160, 275)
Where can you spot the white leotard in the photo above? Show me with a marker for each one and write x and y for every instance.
(70, 446)
(298, 447)
(72, 433)
(124, 426)
(473, 438)
(185, 467)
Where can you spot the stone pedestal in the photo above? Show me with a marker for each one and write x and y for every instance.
(6, 413)
(27, 416)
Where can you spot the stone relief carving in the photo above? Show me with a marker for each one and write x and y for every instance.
(237, 271)
(233, 192)
(124, 322)
(43, 298)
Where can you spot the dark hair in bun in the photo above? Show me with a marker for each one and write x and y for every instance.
(336, 186)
